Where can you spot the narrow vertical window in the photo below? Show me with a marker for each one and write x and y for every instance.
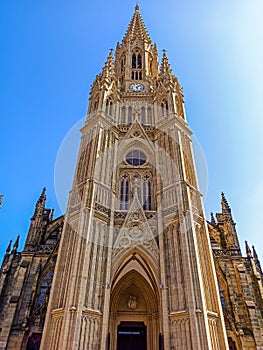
(143, 115)
(144, 204)
(134, 61)
(139, 60)
(121, 193)
(127, 195)
(123, 114)
(130, 115)
(149, 196)
(149, 115)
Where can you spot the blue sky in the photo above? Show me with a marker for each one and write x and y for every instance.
(51, 52)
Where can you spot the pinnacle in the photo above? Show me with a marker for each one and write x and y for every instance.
(248, 251)
(213, 221)
(16, 243)
(165, 65)
(225, 205)
(43, 194)
(9, 247)
(136, 29)
(109, 65)
(255, 256)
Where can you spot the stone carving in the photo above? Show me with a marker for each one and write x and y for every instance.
(132, 302)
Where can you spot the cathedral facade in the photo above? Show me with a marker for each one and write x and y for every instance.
(133, 264)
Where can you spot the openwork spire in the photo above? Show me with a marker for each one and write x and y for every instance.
(136, 29)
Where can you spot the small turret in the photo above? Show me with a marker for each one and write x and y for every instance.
(248, 250)
(38, 221)
(227, 226)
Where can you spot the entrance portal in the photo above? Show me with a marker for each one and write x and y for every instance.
(131, 336)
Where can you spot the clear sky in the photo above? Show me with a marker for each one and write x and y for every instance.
(52, 50)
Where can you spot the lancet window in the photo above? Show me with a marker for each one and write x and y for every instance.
(136, 181)
(136, 65)
(109, 106)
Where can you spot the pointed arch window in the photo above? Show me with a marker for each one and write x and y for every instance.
(149, 115)
(109, 106)
(139, 61)
(136, 65)
(139, 183)
(123, 114)
(137, 179)
(143, 115)
(134, 61)
(124, 191)
(96, 104)
(130, 115)
(222, 298)
(164, 107)
(45, 289)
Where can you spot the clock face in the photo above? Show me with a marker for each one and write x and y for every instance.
(136, 87)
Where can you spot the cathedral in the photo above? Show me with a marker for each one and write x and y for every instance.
(133, 263)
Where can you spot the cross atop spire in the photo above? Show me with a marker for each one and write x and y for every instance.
(136, 29)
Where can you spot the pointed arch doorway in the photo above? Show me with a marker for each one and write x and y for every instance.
(134, 314)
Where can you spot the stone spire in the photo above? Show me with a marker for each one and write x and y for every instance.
(108, 69)
(16, 244)
(165, 68)
(226, 210)
(248, 250)
(40, 205)
(255, 256)
(136, 29)
(228, 225)
(8, 249)
(37, 221)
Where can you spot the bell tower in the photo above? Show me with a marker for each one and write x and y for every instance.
(135, 264)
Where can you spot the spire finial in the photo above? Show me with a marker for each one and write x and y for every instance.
(43, 194)
(137, 7)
